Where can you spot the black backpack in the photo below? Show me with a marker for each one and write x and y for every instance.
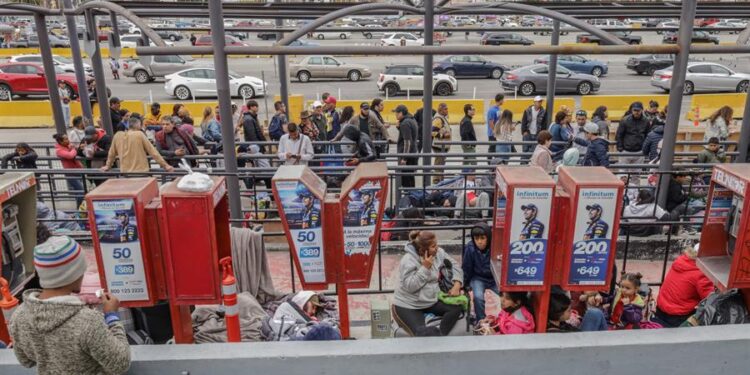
(722, 308)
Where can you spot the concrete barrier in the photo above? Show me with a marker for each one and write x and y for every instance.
(706, 104)
(517, 106)
(65, 52)
(617, 105)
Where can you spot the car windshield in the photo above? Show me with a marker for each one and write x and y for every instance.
(234, 75)
(63, 60)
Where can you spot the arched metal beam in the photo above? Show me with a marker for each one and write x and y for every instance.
(530, 9)
(130, 16)
(312, 26)
(32, 8)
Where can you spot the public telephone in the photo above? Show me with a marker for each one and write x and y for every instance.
(733, 223)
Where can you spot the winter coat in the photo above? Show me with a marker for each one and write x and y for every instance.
(643, 212)
(212, 132)
(631, 313)
(475, 262)
(631, 133)
(418, 287)
(684, 287)
(62, 336)
(676, 195)
(289, 322)
(27, 161)
(651, 144)
(375, 128)
(560, 133)
(407, 133)
(541, 120)
(252, 130)
(542, 157)
(467, 130)
(719, 129)
(597, 153)
(708, 157)
(67, 156)
(518, 322)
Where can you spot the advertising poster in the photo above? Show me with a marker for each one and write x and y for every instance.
(117, 230)
(303, 215)
(529, 233)
(500, 204)
(360, 218)
(592, 239)
(721, 202)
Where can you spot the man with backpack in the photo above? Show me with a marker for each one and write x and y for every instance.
(278, 121)
(254, 134)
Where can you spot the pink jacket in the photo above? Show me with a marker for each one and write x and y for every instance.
(519, 322)
(67, 156)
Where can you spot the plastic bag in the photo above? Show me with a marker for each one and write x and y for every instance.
(194, 181)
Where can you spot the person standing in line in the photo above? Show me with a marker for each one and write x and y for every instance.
(601, 118)
(597, 154)
(132, 148)
(69, 157)
(468, 134)
(407, 143)
(534, 120)
(64, 101)
(631, 134)
(115, 66)
(580, 137)
(76, 132)
(173, 143)
(295, 148)
(441, 132)
(493, 116)
(542, 157)
(504, 134)
(377, 107)
(276, 128)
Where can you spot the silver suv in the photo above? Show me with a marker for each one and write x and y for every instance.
(159, 67)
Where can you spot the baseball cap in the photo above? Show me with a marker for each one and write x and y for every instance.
(581, 112)
(594, 206)
(538, 98)
(89, 133)
(114, 100)
(591, 128)
(364, 106)
(401, 109)
(330, 100)
(317, 104)
(637, 105)
(529, 207)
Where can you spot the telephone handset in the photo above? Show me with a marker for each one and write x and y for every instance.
(732, 225)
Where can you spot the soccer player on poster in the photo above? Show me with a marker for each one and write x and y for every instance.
(311, 216)
(128, 232)
(532, 228)
(369, 215)
(597, 228)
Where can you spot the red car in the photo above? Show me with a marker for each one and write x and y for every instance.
(28, 79)
(205, 40)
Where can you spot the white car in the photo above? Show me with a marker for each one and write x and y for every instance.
(394, 39)
(410, 78)
(320, 35)
(704, 77)
(132, 41)
(201, 82)
(63, 63)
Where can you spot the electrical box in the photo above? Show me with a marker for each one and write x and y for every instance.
(195, 234)
(380, 319)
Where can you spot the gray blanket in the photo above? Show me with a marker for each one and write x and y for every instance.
(251, 265)
(209, 325)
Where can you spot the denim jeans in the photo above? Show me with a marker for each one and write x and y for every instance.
(503, 149)
(594, 320)
(75, 187)
(478, 288)
(529, 138)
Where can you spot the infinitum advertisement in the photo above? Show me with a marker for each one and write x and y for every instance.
(592, 239)
(360, 218)
(303, 216)
(117, 230)
(528, 236)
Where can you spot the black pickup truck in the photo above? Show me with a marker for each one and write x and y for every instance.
(625, 36)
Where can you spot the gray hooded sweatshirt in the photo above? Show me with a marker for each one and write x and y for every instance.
(418, 288)
(62, 336)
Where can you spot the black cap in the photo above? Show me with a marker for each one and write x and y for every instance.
(594, 206)
(89, 133)
(529, 207)
(401, 109)
(637, 105)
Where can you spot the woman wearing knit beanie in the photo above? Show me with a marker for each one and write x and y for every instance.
(55, 331)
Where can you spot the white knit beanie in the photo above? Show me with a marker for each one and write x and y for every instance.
(59, 262)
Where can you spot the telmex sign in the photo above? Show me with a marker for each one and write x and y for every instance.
(730, 181)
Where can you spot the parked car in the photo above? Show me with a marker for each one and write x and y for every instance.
(704, 77)
(28, 79)
(327, 67)
(394, 39)
(698, 37)
(532, 79)
(496, 39)
(667, 24)
(173, 36)
(578, 64)
(469, 66)
(205, 40)
(726, 27)
(605, 22)
(133, 41)
(322, 34)
(63, 63)
(201, 82)
(370, 34)
(267, 35)
(649, 64)
(625, 36)
(32, 40)
(159, 67)
(402, 78)
(303, 43)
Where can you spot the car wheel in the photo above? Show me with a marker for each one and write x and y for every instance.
(597, 71)
(496, 73)
(634, 42)
(716, 42)
(246, 92)
(450, 72)
(303, 76)
(391, 89)
(182, 93)
(742, 87)
(5, 93)
(584, 88)
(354, 75)
(172, 38)
(527, 88)
(141, 76)
(689, 88)
(321, 36)
(342, 36)
(651, 70)
(443, 89)
(368, 35)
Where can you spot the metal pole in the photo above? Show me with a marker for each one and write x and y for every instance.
(552, 77)
(744, 144)
(96, 63)
(675, 97)
(225, 108)
(49, 73)
(283, 74)
(75, 51)
(429, 20)
(115, 27)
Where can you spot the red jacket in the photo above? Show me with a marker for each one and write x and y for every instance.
(684, 287)
(67, 156)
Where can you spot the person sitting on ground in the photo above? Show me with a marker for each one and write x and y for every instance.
(476, 267)
(417, 292)
(542, 156)
(712, 153)
(683, 288)
(626, 308)
(677, 198)
(295, 148)
(24, 157)
(644, 208)
(54, 330)
(132, 148)
(515, 316)
(358, 145)
(559, 314)
(173, 143)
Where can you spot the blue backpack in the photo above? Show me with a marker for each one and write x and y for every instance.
(275, 129)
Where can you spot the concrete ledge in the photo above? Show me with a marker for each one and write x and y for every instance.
(701, 350)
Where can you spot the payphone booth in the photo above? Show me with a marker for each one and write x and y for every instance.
(724, 253)
(590, 203)
(299, 194)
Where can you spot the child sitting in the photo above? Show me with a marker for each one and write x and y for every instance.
(515, 316)
(626, 310)
(559, 314)
(476, 267)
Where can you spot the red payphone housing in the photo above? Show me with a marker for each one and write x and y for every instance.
(724, 253)
(124, 254)
(195, 235)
